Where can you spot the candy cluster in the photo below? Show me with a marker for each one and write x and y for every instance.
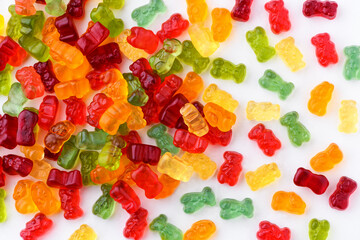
(71, 66)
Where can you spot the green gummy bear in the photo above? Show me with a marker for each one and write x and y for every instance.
(298, 134)
(136, 94)
(104, 207)
(88, 161)
(35, 47)
(5, 80)
(166, 230)
(32, 25)
(163, 140)
(196, 200)
(259, 43)
(3, 214)
(177, 67)
(116, 4)
(192, 57)
(91, 140)
(123, 129)
(14, 24)
(69, 154)
(16, 99)
(146, 14)
(110, 155)
(352, 64)
(224, 69)
(232, 208)
(106, 17)
(55, 7)
(163, 60)
(273, 82)
(318, 229)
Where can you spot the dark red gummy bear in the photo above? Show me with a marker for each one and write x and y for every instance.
(76, 8)
(97, 107)
(170, 113)
(173, 27)
(241, 10)
(27, 121)
(340, 198)
(126, 196)
(92, 38)
(67, 29)
(305, 178)
(167, 89)
(137, 224)
(70, 200)
(2, 174)
(149, 154)
(8, 131)
(270, 231)
(132, 137)
(151, 110)
(48, 78)
(230, 170)
(75, 110)
(63, 179)
(149, 80)
(16, 165)
(36, 227)
(47, 112)
(104, 56)
(316, 8)
(266, 139)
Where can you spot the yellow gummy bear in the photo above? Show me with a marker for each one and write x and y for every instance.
(224, 99)
(262, 176)
(201, 164)
(40, 170)
(175, 167)
(2, 24)
(193, 119)
(202, 39)
(290, 54)
(129, 51)
(84, 233)
(262, 111)
(320, 97)
(197, 10)
(348, 115)
(136, 119)
(35, 152)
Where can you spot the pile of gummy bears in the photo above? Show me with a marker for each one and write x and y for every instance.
(71, 67)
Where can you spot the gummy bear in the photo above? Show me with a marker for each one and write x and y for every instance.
(352, 64)
(202, 40)
(274, 83)
(193, 58)
(166, 230)
(137, 224)
(224, 69)
(194, 201)
(348, 115)
(325, 49)
(104, 207)
(317, 8)
(221, 24)
(327, 159)
(36, 227)
(106, 17)
(318, 229)
(262, 111)
(197, 10)
(232, 208)
(175, 167)
(340, 198)
(201, 230)
(173, 27)
(163, 140)
(265, 138)
(298, 134)
(305, 178)
(230, 170)
(84, 232)
(259, 43)
(270, 231)
(320, 97)
(290, 54)
(262, 176)
(146, 14)
(278, 16)
(289, 202)
(201, 164)
(220, 97)
(241, 11)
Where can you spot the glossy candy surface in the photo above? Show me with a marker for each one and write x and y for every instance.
(163, 140)
(200, 230)
(125, 195)
(143, 39)
(265, 139)
(106, 17)
(146, 14)
(273, 82)
(84, 232)
(16, 165)
(297, 132)
(340, 198)
(64, 180)
(289, 202)
(318, 229)
(127, 49)
(262, 111)
(348, 115)
(104, 207)
(201, 164)
(192, 57)
(48, 78)
(197, 10)
(218, 117)
(221, 24)
(327, 159)
(93, 37)
(352, 63)
(146, 179)
(66, 28)
(58, 134)
(202, 40)
(36, 227)
(262, 176)
(16, 99)
(137, 224)
(220, 97)
(8, 131)
(325, 49)
(230, 170)
(70, 200)
(173, 27)
(44, 198)
(232, 208)
(317, 8)
(224, 69)
(241, 11)
(30, 82)
(270, 231)
(163, 61)
(290, 54)
(305, 178)
(175, 167)
(194, 201)
(166, 230)
(278, 16)
(259, 43)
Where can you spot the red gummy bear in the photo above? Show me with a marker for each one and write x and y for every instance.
(126, 196)
(340, 198)
(241, 10)
(151, 110)
(132, 137)
(8, 131)
(189, 142)
(2, 174)
(270, 231)
(104, 56)
(138, 152)
(97, 107)
(75, 110)
(27, 121)
(46, 72)
(63, 179)
(144, 39)
(325, 49)
(265, 138)
(305, 178)
(278, 16)
(149, 80)
(170, 113)
(36, 227)
(70, 200)
(16, 165)
(230, 170)
(76, 8)
(173, 27)
(92, 38)
(67, 29)
(316, 8)
(47, 112)
(30, 82)
(167, 89)
(136, 225)
(98, 78)
(147, 180)
(11, 53)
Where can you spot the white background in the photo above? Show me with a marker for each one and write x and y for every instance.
(344, 225)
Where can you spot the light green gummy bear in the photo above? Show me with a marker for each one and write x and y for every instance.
(3, 214)
(166, 230)
(318, 229)
(16, 99)
(232, 208)
(224, 69)
(5, 80)
(192, 57)
(176, 68)
(164, 59)
(163, 140)
(136, 94)
(106, 17)
(259, 43)
(69, 154)
(274, 83)
(110, 154)
(352, 64)
(146, 14)
(298, 134)
(35, 47)
(32, 25)
(196, 200)
(88, 161)
(104, 207)
(55, 7)
(116, 4)
(13, 25)
(94, 140)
